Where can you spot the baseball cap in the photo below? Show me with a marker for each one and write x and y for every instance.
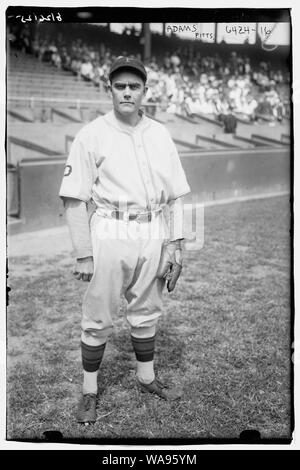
(123, 62)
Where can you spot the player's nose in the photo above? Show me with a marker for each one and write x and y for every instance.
(127, 93)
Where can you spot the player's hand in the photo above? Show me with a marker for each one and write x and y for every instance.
(84, 268)
(170, 265)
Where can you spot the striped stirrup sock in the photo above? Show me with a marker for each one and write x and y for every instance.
(143, 348)
(91, 356)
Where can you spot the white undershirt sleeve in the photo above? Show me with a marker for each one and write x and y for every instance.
(176, 219)
(78, 223)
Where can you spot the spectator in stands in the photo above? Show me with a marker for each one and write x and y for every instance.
(56, 59)
(86, 69)
(280, 111)
(248, 69)
(271, 95)
(152, 73)
(226, 70)
(203, 79)
(247, 107)
(175, 61)
(91, 53)
(149, 99)
(96, 73)
(65, 59)
(233, 63)
(262, 80)
(24, 39)
(192, 103)
(221, 105)
(191, 82)
(200, 91)
(229, 121)
(264, 110)
(35, 46)
(43, 46)
(278, 77)
(105, 66)
(76, 65)
(153, 63)
(167, 62)
(100, 76)
(52, 49)
(170, 84)
(12, 36)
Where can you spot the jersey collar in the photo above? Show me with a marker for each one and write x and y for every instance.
(113, 121)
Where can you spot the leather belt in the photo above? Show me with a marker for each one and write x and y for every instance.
(126, 216)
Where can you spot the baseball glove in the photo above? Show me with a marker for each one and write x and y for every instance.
(170, 264)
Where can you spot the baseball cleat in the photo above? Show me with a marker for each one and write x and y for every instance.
(163, 391)
(86, 412)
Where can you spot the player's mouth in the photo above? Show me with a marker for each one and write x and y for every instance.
(126, 102)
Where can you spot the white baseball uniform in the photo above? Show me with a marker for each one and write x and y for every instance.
(136, 169)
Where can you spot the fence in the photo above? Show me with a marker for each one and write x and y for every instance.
(213, 175)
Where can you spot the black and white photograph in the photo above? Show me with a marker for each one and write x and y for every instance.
(149, 221)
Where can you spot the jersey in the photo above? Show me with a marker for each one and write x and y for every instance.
(115, 164)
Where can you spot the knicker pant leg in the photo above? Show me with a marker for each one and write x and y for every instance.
(112, 268)
(144, 295)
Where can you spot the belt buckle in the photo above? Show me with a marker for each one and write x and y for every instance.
(132, 216)
(115, 214)
(144, 217)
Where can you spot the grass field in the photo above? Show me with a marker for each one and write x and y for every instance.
(225, 337)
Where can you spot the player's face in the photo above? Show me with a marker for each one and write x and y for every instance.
(128, 91)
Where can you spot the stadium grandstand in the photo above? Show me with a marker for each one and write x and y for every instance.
(219, 101)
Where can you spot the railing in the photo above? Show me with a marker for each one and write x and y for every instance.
(206, 118)
(213, 140)
(269, 139)
(78, 103)
(29, 146)
(34, 100)
(64, 115)
(254, 142)
(19, 116)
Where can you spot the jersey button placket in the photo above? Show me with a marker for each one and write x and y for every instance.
(146, 172)
(143, 165)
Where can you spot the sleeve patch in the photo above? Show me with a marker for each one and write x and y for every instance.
(68, 170)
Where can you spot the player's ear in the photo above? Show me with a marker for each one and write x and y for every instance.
(109, 89)
(145, 90)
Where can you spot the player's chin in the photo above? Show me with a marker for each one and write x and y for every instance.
(127, 111)
(129, 107)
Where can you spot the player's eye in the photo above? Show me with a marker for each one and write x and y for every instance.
(134, 86)
(119, 86)
(122, 86)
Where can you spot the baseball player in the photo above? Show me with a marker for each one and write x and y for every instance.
(125, 167)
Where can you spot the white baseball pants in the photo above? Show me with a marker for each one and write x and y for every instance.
(126, 259)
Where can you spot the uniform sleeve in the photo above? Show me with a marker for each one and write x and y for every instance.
(176, 219)
(78, 222)
(179, 184)
(80, 171)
